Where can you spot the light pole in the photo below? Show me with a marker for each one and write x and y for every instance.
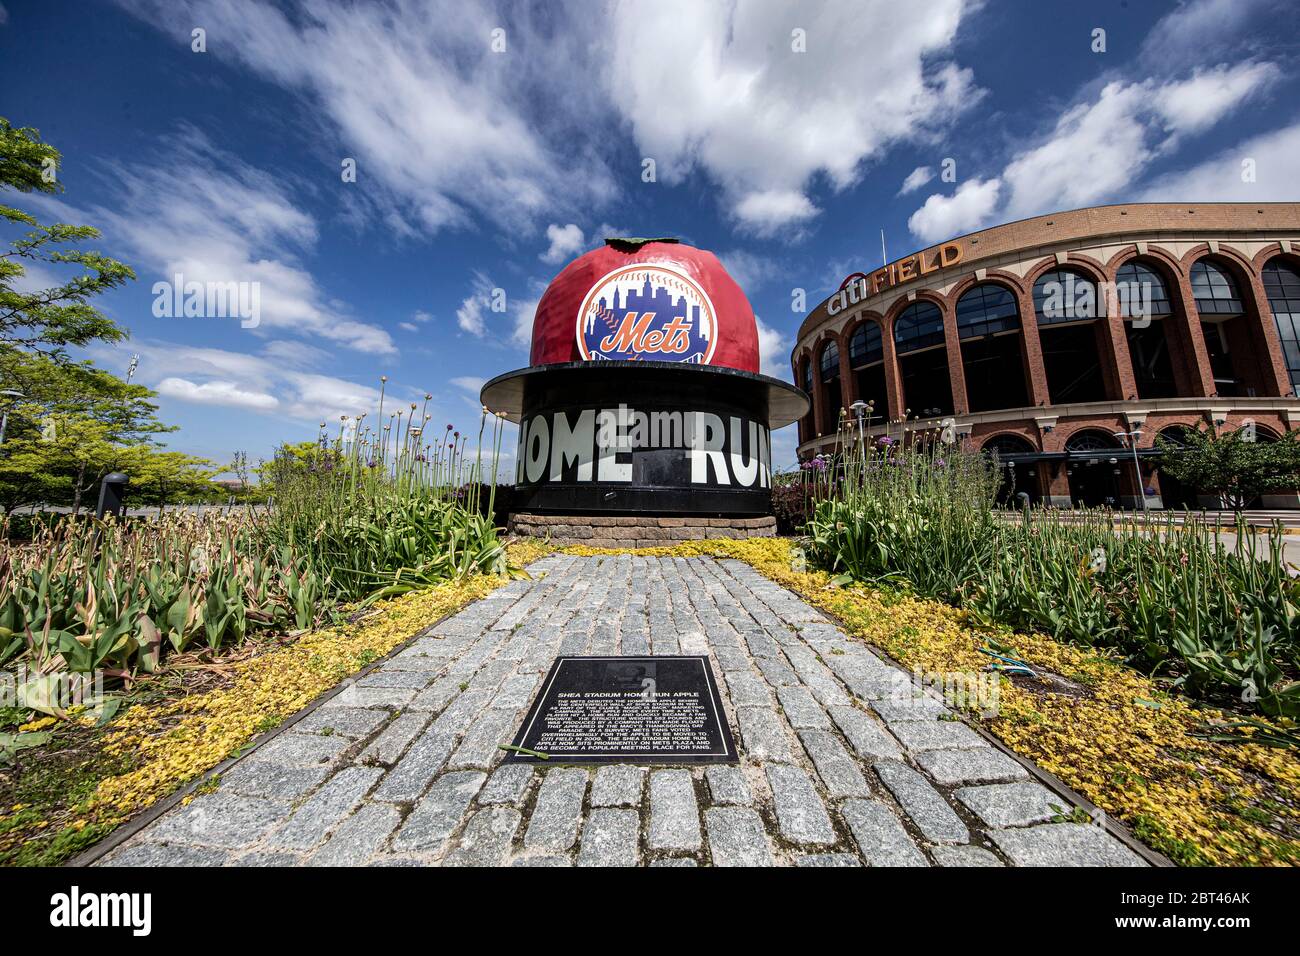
(859, 409)
(130, 369)
(1137, 469)
(10, 396)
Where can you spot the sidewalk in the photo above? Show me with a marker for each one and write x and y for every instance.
(837, 768)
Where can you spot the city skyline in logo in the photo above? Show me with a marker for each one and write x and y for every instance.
(647, 312)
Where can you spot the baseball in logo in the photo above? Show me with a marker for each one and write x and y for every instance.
(647, 312)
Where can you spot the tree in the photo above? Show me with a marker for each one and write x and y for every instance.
(49, 320)
(161, 477)
(69, 429)
(1231, 465)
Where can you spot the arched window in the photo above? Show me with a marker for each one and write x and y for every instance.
(1067, 305)
(1143, 297)
(830, 376)
(1003, 445)
(830, 363)
(867, 359)
(1141, 291)
(988, 324)
(1214, 290)
(866, 346)
(1091, 440)
(922, 361)
(1063, 295)
(1282, 286)
(1229, 343)
(986, 310)
(919, 326)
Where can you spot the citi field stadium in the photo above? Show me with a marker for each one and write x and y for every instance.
(1050, 341)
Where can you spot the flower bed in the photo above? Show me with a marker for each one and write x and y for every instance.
(87, 781)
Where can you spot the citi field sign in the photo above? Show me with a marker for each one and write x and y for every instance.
(861, 285)
(643, 393)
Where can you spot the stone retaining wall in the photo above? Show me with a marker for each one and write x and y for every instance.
(644, 531)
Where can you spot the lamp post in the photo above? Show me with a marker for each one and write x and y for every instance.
(859, 410)
(10, 396)
(1137, 469)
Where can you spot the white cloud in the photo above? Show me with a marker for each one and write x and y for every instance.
(749, 269)
(773, 351)
(728, 95)
(476, 315)
(443, 128)
(208, 216)
(1276, 163)
(916, 179)
(1097, 148)
(969, 208)
(1199, 30)
(523, 311)
(472, 314)
(765, 213)
(276, 381)
(566, 242)
(469, 383)
(216, 392)
(1196, 104)
(446, 131)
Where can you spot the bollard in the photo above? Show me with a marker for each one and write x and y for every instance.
(112, 495)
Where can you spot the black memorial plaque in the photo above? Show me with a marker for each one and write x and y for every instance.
(627, 709)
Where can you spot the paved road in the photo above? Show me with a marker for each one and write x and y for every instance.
(844, 762)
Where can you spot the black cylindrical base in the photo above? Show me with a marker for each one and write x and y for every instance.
(631, 438)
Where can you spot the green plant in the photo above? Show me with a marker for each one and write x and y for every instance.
(380, 513)
(1172, 597)
(1235, 465)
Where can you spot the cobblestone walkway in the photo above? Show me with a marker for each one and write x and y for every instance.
(838, 768)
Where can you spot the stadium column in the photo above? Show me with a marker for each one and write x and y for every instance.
(1192, 372)
(848, 384)
(956, 374)
(1032, 350)
(893, 377)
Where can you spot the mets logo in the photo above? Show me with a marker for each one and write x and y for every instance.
(647, 312)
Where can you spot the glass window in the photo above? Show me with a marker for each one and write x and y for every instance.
(1139, 285)
(866, 346)
(1213, 289)
(1282, 286)
(1090, 441)
(919, 326)
(986, 310)
(1062, 295)
(830, 362)
(1007, 445)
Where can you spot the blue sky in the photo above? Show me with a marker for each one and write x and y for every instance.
(784, 135)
